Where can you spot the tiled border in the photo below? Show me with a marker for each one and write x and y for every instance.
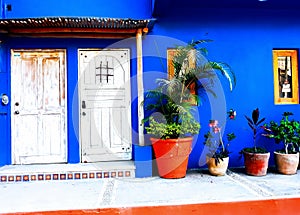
(14, 177)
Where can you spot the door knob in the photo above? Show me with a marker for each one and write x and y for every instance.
(83, 113)
(83, 105)
(17, 112)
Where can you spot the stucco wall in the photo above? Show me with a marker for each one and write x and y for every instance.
(244, 38)
(104, 8)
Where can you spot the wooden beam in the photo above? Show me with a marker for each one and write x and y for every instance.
(139, 56)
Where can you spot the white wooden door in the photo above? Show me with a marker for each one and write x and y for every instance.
(38, 106)
(105, 113)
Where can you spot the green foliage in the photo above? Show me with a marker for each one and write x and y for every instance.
(172, 98)
(259, 150)
(216, 145)
(173, 130)
(254, 123)
(287, 131)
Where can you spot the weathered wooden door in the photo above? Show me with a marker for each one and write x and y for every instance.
(104, 97)
(38, 106)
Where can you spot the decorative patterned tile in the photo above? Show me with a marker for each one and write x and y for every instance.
(33, 177)
(70, 176)
(113, 174)
(25, 177)
(55, 176)
(48, 177)
(106, 174)
(3, 178)
(91, 175)
(40, 177)
(77, 176)
(127, 173)
(99, 174)
(84, 175)
(62, 176)
(18, 178)
(120, 174)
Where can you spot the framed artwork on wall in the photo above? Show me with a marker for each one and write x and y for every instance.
(170, 54)
(285, 69)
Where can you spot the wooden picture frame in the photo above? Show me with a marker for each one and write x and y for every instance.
(170, 67)
(285, 69)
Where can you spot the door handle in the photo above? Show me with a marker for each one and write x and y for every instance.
(4, 99)
(83, 105)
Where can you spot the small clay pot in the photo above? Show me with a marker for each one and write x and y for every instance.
(286, 163)
(218, 169)
(256, 164)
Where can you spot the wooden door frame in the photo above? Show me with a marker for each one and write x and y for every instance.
(64, 51)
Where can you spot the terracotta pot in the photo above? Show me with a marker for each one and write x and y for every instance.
(172, 156)
(219, 169)
(286, 163)
(256, 164)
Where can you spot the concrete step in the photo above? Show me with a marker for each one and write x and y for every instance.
(41, 172)
(198, 193)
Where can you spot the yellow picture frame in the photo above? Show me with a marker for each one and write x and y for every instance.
(170, 67)
(171, 52)
(286, 82)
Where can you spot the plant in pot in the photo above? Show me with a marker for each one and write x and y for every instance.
(288, 133)
(256, 159)
(217, 158)
(171, 120)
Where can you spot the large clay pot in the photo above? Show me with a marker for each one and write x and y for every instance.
(172, 156)
(286, 163)
(217, 169)
(256, 164)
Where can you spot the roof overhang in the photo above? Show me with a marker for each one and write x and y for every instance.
(75, 27)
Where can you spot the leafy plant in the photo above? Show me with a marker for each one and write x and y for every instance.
(287, 131)
(215, 143)
(172, 98)
(254, 123)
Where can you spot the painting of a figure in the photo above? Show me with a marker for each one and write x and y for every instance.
(285, 65)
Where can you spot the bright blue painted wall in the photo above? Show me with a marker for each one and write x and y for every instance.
(95, 8)
(244, 39)
(72, 46)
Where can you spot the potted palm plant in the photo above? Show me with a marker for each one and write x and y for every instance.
(256, 159)
(288, 133)
(217, 158)
(171, 121)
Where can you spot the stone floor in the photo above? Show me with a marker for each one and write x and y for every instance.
(197, 187)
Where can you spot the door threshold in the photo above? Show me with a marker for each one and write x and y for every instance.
(46, 172)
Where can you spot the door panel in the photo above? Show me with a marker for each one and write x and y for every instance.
(38, 106)
(105, 105)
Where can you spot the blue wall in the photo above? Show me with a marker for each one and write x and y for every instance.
(95, 8)
(244, 39)
(72, 46)
(136, 9)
